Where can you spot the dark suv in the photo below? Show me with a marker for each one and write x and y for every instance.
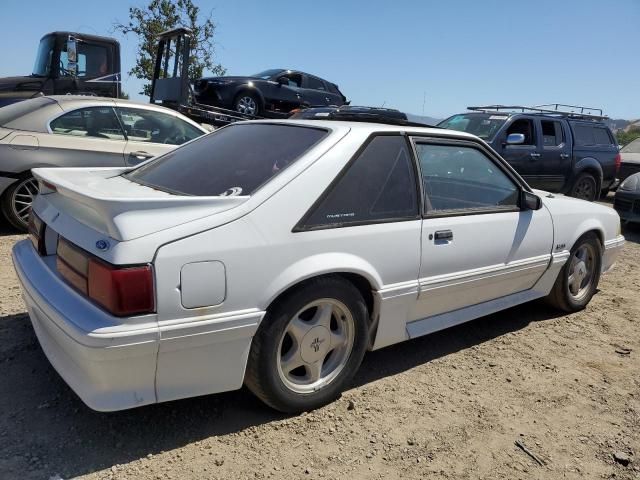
(553, 148)
(272, 93)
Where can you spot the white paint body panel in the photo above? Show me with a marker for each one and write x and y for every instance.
(198, 341)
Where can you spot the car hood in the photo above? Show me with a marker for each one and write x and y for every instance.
(630, 157)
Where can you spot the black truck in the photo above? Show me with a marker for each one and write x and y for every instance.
(559, 148)
(68, 62)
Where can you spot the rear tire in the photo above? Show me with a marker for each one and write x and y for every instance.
(17, 200)
(308, 346)
(578, 280)
(585, 187)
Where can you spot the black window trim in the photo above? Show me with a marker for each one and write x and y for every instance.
(301, 226)
(490, 154)
(85, 107)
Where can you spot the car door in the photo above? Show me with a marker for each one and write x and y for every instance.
(84, 137)
(151, 132)
(287, 97)
(477, 243)
(315, 91)
(523, 157)
(554, 163)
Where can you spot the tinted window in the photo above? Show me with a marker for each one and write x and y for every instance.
(525, 127)
(234, 160)
(97, 122)
(591, 135)
(315, 83)
(463, 178)
(551, 133)
(601, 136)
(379, 185)
(156, 127)
(17, 110)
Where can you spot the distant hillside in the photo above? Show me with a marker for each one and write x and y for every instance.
(421, 119)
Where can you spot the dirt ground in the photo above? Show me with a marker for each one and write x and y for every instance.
(447, 406)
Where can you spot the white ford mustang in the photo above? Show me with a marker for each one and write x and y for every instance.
(275, 253)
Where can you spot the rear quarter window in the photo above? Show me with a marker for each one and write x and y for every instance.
(591, 135)
(235, 160)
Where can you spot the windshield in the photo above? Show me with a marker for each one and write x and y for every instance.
(235, 160)
(267, 74)
(633, 147)
(42, 67)
(483, 125)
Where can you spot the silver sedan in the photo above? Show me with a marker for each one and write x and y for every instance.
(75, 131)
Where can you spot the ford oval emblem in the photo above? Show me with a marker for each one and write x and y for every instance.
(102, 245)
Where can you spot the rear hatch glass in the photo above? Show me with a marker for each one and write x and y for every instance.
(235, 160)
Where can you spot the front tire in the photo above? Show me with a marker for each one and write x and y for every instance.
(17, 201)
(309, 346)
(585, 187)
(578, 280)
(247, 103)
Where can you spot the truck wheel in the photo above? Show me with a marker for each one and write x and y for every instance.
(585, 187)
(17, 201)
(308, 346)
(578, 280)
(247, 103)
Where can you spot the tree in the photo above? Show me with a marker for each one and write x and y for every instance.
(626, 137)
(160, 15)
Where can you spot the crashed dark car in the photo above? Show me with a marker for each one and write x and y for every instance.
(272, 93)
(627, 200)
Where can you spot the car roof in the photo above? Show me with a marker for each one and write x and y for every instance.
(549, 116)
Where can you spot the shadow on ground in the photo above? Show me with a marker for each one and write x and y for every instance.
(45, 429)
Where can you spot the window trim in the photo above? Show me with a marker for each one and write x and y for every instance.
(491, 156)
(84, 107)
(301, 226)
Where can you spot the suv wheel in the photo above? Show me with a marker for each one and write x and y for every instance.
(17, 201)
(308, 346)
(578, 279)
(247, 103)
(585, 187)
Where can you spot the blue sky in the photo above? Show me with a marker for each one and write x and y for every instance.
(444, 55)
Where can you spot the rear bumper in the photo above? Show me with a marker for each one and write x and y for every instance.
(612, 249)
(113, 365)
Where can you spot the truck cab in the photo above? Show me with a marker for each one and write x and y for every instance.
(554, 150)
(68, 62)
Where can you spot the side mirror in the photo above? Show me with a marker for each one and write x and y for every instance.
(515, 139)
(283, 81)
(530, 201)
(72, 56)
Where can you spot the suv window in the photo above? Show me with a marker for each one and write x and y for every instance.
(378, 186)
(234, 160)
(551, 133)
(524, 126)
(144, 125)
(315, 83)
(463, 178)
(98, 122)
(589, 135)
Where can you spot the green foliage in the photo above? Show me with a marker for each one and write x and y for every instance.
(124, 95)
(625, 138)
(159, 16)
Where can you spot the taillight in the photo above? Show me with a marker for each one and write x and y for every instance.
(122, 291)
(618, 162)
(36, 228)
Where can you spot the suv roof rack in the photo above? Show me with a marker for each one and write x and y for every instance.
(559, 109)
(352, 113)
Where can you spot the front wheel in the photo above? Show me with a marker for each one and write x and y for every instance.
(247, 103)
(17, 201)
(578, 280)
(308, 346)
(585, 187)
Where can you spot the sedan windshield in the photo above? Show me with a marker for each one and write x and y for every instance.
(267, 74)
(42, 67)
(235, 160)
(483, 125)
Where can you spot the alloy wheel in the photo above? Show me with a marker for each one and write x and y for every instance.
(581, 271)
(247, 105)
(315, 345)
(585, 189)
(22, 198)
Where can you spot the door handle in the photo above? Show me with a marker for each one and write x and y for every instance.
(140, 155)
(564, 155)
(443, 235)
(534, 155)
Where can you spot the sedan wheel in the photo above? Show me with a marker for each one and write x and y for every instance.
(309, 345)
(247, 104)
(581, 271)
(17, 202)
